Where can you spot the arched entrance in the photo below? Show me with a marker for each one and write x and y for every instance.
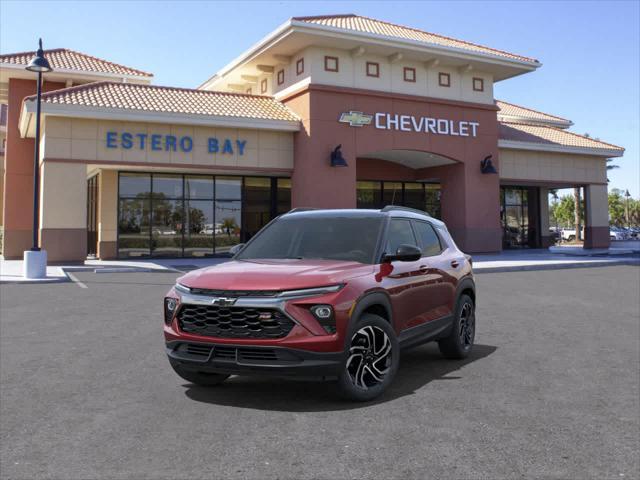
(407, 178)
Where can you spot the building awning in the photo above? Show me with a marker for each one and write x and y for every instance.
(545, 138)
(149, 103)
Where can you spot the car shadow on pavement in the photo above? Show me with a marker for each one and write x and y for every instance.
(418, 367)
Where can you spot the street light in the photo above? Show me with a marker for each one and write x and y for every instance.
(35, 260)
(626, 208)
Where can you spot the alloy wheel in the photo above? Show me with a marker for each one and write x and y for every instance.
(369, 357)
(467, 325)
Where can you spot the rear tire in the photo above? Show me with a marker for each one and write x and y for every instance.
(371, 359)
(203, 379)
(459, 343)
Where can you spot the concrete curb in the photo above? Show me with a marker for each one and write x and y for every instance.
(555, 266)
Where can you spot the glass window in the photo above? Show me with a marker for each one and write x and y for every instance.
(167, 186)
(199, 228)
(135, 184)
(167, 220)
(133, 227)
(432, 200)
(284, 196)
(414, 195)
(400, 233)
(257, 205)
(392, 193)
(228, 216)
(429, 240)
(369, 194)
(229, 188)
(348, 238)
(198, 188)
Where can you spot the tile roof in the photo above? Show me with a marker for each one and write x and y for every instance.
(152, 98)
(65, 59)
(544, 135)
(370, 25)
(512, 110)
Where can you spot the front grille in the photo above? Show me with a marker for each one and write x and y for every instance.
(199, 350)
(234, 293)
(233, 322)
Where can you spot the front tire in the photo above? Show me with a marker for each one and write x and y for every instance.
(371, 359)
(459, 343)
(202, 379)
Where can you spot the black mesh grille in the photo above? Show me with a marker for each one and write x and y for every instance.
(233, 322)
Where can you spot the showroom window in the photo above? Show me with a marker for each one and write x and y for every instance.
(418, 195)
(170, 215)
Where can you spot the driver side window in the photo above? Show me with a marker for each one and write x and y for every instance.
(399, 233)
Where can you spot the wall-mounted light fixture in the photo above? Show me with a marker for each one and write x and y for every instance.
(486, 165)
(337, 160)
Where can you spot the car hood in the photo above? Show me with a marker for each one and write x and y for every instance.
(273, 274)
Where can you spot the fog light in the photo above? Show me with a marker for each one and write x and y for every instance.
(170, 305)
(324, 316)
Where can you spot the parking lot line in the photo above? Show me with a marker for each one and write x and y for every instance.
(75, 280)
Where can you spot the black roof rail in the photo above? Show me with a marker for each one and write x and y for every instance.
(301, 209)
(390, 208)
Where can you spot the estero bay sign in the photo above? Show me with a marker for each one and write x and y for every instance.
(411, 123)
(171, 143)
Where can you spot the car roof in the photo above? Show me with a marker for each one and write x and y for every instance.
(389, 211)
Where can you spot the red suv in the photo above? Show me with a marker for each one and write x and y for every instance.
(334, 294)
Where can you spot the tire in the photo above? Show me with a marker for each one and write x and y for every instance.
(203, 379)
(571, 238)
(459, 343)
(364, 376)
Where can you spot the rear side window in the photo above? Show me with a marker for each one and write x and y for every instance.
(429, 240)
(400, 233)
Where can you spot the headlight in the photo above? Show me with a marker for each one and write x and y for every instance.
(308, 292)
(324, 316)
(182, 288)
(170, 307)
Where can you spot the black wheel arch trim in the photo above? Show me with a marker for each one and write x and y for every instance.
(467, 283)
(370, 299)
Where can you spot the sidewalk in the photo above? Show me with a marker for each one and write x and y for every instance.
(506, 261)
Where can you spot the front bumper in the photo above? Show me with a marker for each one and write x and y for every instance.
(236, 359)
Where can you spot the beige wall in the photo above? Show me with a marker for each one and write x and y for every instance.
(352, 73)
(597, 206)
(108, 206)
(63, 195)
(552, 167)
(80, 139)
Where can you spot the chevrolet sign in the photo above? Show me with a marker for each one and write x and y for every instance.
(355, 119)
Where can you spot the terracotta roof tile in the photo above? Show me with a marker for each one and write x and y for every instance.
(513, 110)
(152, 98)
(65, 59)
(379, 27)
(517, 132)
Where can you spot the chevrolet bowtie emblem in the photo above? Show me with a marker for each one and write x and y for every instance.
(223, 301)
(355, 119)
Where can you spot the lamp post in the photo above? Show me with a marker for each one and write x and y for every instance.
(35, 260)
(626, 208)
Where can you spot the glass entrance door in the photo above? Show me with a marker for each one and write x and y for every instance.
(519, 217)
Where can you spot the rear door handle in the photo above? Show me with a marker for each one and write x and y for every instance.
(455, 263)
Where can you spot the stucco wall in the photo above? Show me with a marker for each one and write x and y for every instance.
(85, 140)
(352, 73)
(551, 167)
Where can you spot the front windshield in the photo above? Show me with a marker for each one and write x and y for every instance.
(349, 238)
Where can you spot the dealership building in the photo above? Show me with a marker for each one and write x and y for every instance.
(337, 111)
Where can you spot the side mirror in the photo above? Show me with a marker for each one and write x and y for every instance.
(405, 253)
(236, 248)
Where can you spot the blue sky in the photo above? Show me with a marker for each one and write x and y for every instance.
(589, 50)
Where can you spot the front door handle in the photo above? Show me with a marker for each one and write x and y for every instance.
(455, 263)
(423, 268)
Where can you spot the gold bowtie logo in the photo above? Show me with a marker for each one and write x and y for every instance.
(355, 119)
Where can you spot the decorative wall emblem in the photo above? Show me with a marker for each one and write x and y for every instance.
(356, 119)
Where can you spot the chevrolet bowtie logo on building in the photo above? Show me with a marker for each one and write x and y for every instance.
(356, 119)
(223, 301)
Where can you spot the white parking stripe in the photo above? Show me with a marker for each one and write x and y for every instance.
(75, 280)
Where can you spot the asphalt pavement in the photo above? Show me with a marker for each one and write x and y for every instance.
(552, 390)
